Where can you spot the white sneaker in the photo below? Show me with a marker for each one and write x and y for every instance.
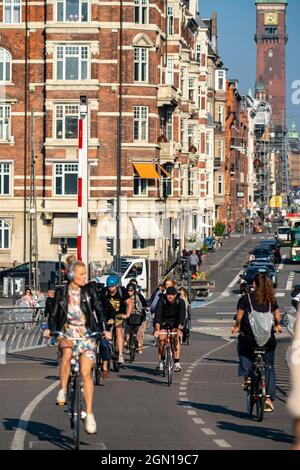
(177, 367)
(121, 360)
(160, 366)
(90, 424)
(61, 398)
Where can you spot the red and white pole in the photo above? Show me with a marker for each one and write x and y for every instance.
(82, 233)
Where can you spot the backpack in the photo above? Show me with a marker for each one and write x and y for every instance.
(137, 317)
(261, 324)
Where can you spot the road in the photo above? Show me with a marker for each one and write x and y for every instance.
(205, 408)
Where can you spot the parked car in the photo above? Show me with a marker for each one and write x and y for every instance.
(49, 273)
(210, 243)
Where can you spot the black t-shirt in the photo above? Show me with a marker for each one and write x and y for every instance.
(115, 304)
(246, 339)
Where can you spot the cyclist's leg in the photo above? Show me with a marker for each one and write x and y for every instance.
(141, 334)
(119, 334)
(66, 349)
(176, 345)
(104, 351)
(162, 345)
(87, 360)
(270, 374)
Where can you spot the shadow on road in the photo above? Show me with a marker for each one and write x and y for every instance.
(43, 360)
(138, 378)
(257, 431)
(43, 432)
(217, 409)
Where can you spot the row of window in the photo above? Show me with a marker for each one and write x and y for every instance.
(80, 11)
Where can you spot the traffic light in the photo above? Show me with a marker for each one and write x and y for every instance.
(110, 206)
(64, 248)
(175, 243)
(110, 245)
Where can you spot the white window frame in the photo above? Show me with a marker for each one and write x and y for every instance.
(64, 51)
(220, 184)
(4, 228)
(220, 75)
(73, 19)
(12, 6)
(270, 53)
(73, 169)
(5, 119)
(139, 182)
(170, 71)
(141, 7)
(64, 109)
(170, 20)
(221, 115)
(141, 118)
(220, 150)
(192, 85)
(141, 60)
(5, 58)
(191, 135)
(5, 171)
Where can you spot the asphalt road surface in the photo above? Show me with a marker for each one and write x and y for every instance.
(205, 408)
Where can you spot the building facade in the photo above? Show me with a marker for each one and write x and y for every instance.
(145, 71)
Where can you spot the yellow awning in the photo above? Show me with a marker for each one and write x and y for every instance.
(146, 170)
(165, 171)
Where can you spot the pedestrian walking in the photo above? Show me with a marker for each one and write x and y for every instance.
(194, 262)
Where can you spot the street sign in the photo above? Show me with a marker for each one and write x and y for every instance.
(240, 194)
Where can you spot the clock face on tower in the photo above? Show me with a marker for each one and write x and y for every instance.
(271, 18)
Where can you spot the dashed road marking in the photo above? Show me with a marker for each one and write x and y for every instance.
(198, 421)
(192, 413)
(222, 443)
(208, 431)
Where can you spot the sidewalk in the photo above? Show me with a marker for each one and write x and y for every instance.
(213, 260)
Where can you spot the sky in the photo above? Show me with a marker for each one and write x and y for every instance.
(236, 29)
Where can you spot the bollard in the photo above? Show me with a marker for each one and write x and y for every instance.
(2, 352)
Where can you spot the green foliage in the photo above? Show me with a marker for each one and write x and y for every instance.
(219, 229)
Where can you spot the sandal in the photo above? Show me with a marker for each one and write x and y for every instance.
(140, 349)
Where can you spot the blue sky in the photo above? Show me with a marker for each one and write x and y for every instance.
(236, 29)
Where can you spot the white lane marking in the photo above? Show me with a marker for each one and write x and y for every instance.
(19, 437)
(208, 431)
(182, 394)
(182, 388)
(280, 294)
(290, 280)
(198, 421)
(191, 413)
(183, 399)
(227, 292)
(221, 443)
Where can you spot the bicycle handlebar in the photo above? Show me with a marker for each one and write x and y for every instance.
(57, 334)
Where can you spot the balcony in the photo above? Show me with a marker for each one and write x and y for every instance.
(167, 95)
(167, 152)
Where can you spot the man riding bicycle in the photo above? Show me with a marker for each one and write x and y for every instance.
(77, 312)
(170, 313)
(118, 306)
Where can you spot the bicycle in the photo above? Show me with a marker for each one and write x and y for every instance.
(132, 344)
(257, 389)
(113, 351)
(169, 361)
(187, 329)
(97, 369)
(75, 399)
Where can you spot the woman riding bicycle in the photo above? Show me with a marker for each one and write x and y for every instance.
(73, 315)
(261, 300)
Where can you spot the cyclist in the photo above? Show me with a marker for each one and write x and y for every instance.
(73, 315)
(185, 297)
(261, 300)
(138, 316)
(118, 306)
(169, 313)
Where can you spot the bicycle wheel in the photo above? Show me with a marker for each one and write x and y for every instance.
(115, 356)
(169, 365)
(188, 331)
(259, 399)
(131, 347)
(76, 412)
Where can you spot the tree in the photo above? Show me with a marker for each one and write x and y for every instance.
(219, 229)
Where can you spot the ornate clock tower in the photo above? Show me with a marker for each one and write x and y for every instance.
(271, 39)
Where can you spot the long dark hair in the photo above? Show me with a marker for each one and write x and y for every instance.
(264, 293)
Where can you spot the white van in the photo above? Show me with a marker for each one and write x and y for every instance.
(283, 235)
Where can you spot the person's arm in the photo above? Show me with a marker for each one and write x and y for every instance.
(277, 317)
(158, 315)
(238, 319)
(129, 308)
(181, 314)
